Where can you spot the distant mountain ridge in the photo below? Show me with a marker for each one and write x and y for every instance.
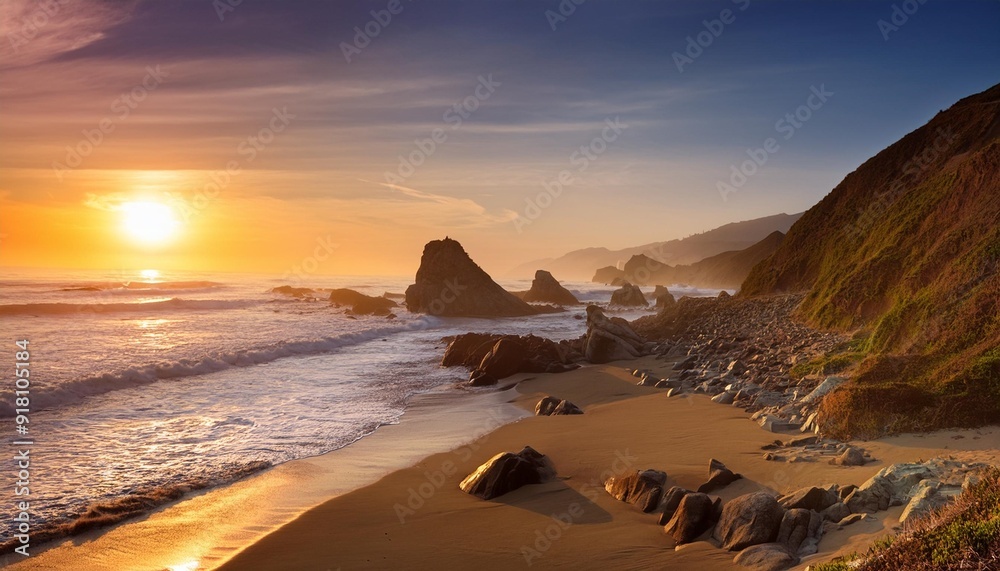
(581, 264)
(723, 271)
(906, 250)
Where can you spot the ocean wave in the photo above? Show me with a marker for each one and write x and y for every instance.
(73, 391)
(173, 304)
(141, 287)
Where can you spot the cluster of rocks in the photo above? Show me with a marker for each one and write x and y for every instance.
(361, 304)
(814, 448)
(611, 338)
(740, 352)
(493, 357)
(769, 532)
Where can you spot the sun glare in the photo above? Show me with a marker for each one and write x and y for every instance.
(150, 223)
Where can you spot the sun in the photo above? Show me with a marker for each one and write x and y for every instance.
(150, 223)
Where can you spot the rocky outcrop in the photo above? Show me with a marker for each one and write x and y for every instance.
(507, 472)
(299, 292)
(551, 406)
(663, 298)
(449, 283)
(695, 515)
(641, 489)
(546, 289)
(360, 303)
(813, 498)
(494, 357)
(608, 275)
(628, 296)
(610, 339)
(748, 520)
(718, 477)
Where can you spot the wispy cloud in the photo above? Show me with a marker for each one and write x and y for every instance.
(459, 212)
(34, 31)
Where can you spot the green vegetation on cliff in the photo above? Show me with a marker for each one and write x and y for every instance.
(907, 250)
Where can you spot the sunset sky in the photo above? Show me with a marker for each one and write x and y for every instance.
(106, 104)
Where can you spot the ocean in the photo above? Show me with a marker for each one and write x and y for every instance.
(146, 386)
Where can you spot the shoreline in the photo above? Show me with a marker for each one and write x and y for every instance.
(207, 527)
(394, 491)
(625, 427)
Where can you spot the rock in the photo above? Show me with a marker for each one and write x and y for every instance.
(855, 518)
(836, 512)
(926, 498)
(481, 379)
(449, 283)
(610, 339)
(551, 406)
(608, 275)
(794, 528)
(737, 368)
(851, 457)
(846, 491)
(641, 489)
(775, 424)
(629, 296)
(766, 557)
(903, 478)
(816, 499)
(547, 289)
(822, 390)
(507, 472)
(695, 515)
(299, 292)
(725, 397)
(872, 496)
(748, 520)
(718, 477)
(669, 502)
(360, 303)
(724, 295)
(663, 298)
(499, 356)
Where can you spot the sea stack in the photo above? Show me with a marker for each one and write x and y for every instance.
(449, 283)
(547, 289)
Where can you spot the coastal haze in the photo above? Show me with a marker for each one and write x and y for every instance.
(607, 284)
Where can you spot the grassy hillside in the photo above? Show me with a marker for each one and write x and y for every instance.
(906, 251)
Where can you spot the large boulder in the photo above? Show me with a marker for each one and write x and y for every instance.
(766, 557)
(546, 288)
(629, 296)
(360, 303)
(872, 496)
(718, 477)
(748, 520)
(493, 357)
(695, 515)
(811, 498)
(507, 472)
(610, 339)
(551, 406)
(641, 489)
(449, 283)
(670, 501)
(927, 497)
(794, 528)
(663, 298)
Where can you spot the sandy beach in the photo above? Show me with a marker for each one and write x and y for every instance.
(418, 518)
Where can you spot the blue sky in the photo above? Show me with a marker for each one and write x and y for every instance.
(555, 90)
